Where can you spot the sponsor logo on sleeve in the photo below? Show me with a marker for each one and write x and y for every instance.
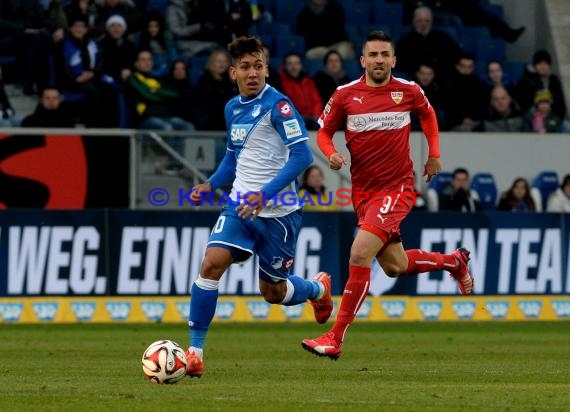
(430, 310)
(11, 312)
(83, 310)
(292, 128)
(45, 311)
(258, 310)
(285, 109)
(118, 310)
(153, 310)
(225, 310)
(394, 308)
(464, 310)
(293, 312)
(497, 309)
(561, 308)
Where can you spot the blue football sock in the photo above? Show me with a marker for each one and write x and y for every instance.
(202, 309)
(299, 290)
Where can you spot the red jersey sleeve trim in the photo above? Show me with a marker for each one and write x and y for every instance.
(325, 143)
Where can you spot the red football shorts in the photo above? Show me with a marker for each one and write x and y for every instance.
(383, 212)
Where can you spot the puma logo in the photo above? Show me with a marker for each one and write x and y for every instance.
(381, 218)
(358, 99)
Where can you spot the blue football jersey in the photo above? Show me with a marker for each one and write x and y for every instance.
(259, 133)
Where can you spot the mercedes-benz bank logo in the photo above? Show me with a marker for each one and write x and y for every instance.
(359, 122)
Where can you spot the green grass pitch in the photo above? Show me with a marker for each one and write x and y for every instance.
(262, 367)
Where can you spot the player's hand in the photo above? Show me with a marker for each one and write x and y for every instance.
(432, 167)
(251, 205)
(337, 160)
(201, 188)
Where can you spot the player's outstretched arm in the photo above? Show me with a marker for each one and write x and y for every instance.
(428, 121)
(325, 143)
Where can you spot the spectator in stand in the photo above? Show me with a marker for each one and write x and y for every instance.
(497, 77)
(192, 33)
(559, 200)
(117, 55)
(457, 196)
(49, 111)
(7, 113)
(125, 8)
(461, 113)
(539, 77)
(541, 118)
(152, 103)
(158, 40)
(517, 198)
(322, 23)
(55, 14)
(78, 66)
(84, 8)
(178, 80)
(330, 76)
(313, 193)
(301, 89)
(214, 90)
(425, 77)
(26, 33)
(503, 114)
(472, 13)
(273, 78)
(238, 18)
(425, 44)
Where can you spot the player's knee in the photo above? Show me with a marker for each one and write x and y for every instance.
(212, 269)
(273, 294)
(273, 298)
(359, 259)
(393, 269)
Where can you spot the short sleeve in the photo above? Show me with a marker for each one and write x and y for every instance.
(288, 122)
(334, 114)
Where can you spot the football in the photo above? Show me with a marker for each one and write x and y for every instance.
(164, 362)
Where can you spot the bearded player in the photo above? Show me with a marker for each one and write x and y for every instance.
(376, 110)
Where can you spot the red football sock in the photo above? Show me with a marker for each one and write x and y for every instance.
(354, 294)
(420, 261)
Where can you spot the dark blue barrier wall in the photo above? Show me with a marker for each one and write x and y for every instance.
(109, 252)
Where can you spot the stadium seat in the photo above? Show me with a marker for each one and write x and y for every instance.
(514, 69)
(158, 5)
(358, 13)
(280, 29)
(450, 30)
(287, 12)
(388, 13)
(437, 185)
(267, 5)
(484, 185)
(352, 31)
(448, 19)
(497, 10)
(198, 62)
(545, 183)
(195, 74)
(312, 66)
(353, 69)
(476, 32)
(289, 44)
(490, 49)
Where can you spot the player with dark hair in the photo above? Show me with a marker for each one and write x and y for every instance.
(376, 109)
(266, 150)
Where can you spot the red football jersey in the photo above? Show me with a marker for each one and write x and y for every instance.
(377, 130)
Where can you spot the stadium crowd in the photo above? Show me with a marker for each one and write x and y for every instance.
(162, 64)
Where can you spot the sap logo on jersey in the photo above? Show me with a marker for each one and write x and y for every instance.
(292, 128)
(83, 310)
(225, 310)
(364, 311)
(464, 310)
(118, 310)
(259, 310)
(183, 309)
(395, 308)
(561, 308)
(239, 132)
(11, 312)
(430, 310)
(153, 310)
(45, 310)
(293, 312)
(530, 308)
(497, 309)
